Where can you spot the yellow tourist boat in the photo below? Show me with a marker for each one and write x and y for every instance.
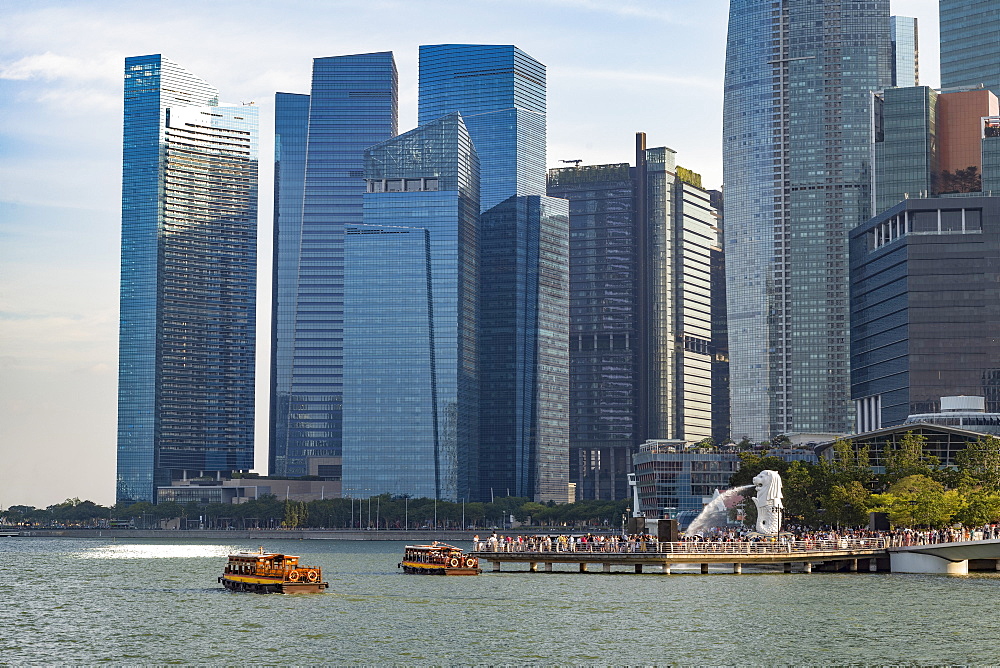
(271, 573)
(438, 559)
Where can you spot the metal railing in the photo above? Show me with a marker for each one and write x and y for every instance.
(651, 548)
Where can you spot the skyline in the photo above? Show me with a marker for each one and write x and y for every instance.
(60, 162)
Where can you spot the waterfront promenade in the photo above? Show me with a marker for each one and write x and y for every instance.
(842, 554)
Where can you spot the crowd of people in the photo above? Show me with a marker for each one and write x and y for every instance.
(801, 537)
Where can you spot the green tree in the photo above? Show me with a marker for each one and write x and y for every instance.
(979, 508)
(296, 513)
(909, 458)
(919, 500)
(980, 461)
(847, 504)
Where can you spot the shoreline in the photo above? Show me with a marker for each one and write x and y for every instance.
(414, 535)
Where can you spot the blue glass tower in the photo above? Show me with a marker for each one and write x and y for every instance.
(500, 92)
(188, 281)
(905, 51)
(524, 325)
(352, 106)
(291, 124)
(970, 44)
(410, 364)
(796, 155)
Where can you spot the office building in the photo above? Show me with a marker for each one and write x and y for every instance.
(410, 417)
(641, 241)
(500, 92)
(970, 44)
(930, 143)
(524, 349)
(721, 427)
(188, 281)
(675, 481)
(797, 166)
(925, 300)
(319, 187)
(905, 51)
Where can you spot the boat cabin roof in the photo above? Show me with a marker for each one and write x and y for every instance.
(436, 547)
(262, 556)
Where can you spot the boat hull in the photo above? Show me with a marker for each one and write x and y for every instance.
(264, 586)
(436, 569)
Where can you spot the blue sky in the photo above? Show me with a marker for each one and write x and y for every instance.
(614, 68)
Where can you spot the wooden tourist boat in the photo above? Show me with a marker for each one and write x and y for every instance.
(438, 559)
(271, 573)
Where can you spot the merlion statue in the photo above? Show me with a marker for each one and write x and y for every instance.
(768, 500)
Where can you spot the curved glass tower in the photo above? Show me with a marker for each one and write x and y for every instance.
(319, 186)
(796, 147)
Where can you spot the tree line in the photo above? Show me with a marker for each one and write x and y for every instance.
(915, 489)
(378, 512)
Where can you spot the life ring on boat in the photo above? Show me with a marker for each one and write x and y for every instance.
(312, 576)
(454, 562)
(293, 576)
(471, 562)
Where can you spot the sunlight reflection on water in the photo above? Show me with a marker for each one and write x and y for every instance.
(158, 551)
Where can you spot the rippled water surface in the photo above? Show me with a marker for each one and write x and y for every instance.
(74, 601)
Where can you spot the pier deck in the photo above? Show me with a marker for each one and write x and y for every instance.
(840, 554)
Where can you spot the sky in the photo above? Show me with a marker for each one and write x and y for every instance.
(615, 67)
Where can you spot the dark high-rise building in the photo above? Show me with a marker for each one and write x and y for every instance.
(721, 428)
(970, 44)
(319, 187)
(925, 308)
(500, 92)
(797, 171)
(188, 281)
(410, 362)
(524, 339)
(640, 312)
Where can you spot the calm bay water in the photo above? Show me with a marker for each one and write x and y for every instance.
(71, 601)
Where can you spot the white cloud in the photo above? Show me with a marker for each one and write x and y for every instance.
(50, 66)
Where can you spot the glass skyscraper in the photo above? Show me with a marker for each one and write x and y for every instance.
(500, 92)
(641, 244)
(905, 51)
(188, 281)
(797, 171)
(319, 187)
(923, 305)
(410, 360)
(524, 349)
(970, 44)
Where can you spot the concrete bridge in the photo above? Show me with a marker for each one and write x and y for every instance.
(850, 555)
(951, 558)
